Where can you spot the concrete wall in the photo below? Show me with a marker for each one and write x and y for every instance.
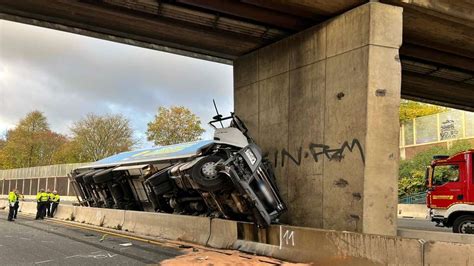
(40, 171)
(323, 104)
(31, 186)
(413, 211)
(29, 180)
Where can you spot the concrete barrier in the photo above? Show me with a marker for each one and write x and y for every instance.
(3, 204)
(177, 227)
(100, 217)
(223, 233)
(413, 211)
(64, 212)
(64, 199)
(92, 216)
(113, 219)
(446, 253)
(436, 236)
(328, 247)
(28, 207)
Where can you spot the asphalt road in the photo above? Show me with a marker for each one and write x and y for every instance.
(29, 242)
(420, 224)
(52, 242)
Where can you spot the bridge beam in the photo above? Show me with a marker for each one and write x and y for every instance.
(323, 104)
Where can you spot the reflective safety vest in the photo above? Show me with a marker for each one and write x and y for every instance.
(12, 197)
(55, 198)
(42, 197)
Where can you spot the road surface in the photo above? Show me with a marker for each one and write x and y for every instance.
(30, 242)
(420, 224)
(46, 242)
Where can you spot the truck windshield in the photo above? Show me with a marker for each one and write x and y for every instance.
(445, 173)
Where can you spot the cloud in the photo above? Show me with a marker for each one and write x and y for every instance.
(67, 76)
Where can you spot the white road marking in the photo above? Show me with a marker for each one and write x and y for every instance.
(44, 261)
(94, 255)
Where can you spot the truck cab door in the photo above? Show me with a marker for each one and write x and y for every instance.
(448, 185)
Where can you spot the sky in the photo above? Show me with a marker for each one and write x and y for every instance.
(67, 76)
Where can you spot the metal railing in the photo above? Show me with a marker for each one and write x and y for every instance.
(417, 198)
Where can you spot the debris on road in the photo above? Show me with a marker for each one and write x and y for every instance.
(102, 238)
(209, 257)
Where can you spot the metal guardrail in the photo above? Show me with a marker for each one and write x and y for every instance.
(418, 198)
(56, 170)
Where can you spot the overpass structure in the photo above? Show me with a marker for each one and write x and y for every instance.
(318, 82)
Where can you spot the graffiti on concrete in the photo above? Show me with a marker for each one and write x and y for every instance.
(317, 151)
(448, 130)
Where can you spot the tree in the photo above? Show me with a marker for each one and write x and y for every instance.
(101, 136)
(2, 143)
(174, 125)
(30, 143)
(410, 109)
(69, 152)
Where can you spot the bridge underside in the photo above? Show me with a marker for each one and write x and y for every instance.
(438, 41)
(318, 82)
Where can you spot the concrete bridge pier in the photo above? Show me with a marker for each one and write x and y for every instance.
(323, 104)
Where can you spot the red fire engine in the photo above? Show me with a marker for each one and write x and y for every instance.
(450, 196)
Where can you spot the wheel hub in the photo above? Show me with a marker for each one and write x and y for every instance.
(209, 170)
(467, 227)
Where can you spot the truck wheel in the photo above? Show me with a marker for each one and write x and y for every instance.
(464, 224)
(205, 175)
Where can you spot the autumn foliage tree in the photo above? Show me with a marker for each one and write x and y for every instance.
(30, 143)
(411, 109)
(69, 152)
(174, 125)
(96, 137)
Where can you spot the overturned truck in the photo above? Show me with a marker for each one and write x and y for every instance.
(226, 178)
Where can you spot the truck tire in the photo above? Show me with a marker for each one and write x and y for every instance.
(464, 224)
(207, 182)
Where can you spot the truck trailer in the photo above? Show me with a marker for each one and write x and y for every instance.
(226, 177)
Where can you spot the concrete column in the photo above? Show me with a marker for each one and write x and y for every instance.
(323, 104)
